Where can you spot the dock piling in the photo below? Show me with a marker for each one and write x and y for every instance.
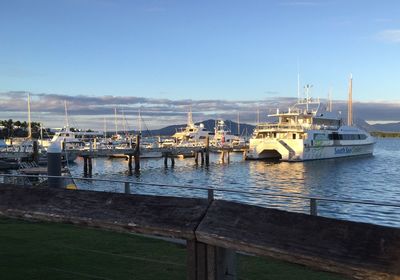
(165, 159)
(127, 188)
(207, 150)
(210, 195)
(89, 159)
(130, 162)
(85, 166)
(54, 165)
(35, 156)
(313, 207)
(137, 154)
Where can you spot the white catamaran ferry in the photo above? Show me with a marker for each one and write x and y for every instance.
(308, 131)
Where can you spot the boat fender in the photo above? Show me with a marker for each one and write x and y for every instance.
(71, 187)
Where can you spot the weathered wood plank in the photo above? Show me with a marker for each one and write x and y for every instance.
(359, 250)
(166, 216)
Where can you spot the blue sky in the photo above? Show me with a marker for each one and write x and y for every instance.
(225, 50)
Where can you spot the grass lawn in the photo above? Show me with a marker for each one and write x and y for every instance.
(37, 250)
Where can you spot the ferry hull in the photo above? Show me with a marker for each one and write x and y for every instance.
(298, 151)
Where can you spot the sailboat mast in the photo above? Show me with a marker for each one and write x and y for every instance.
(350, 103)
(29, 117)
(190, 116)
(66, 114)
(298, 82)
(105, 128)
(41, 133)
(238, 123)
(115, 121)
(140, 123)
(124, 121)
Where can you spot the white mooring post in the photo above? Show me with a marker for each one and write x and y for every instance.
(54, 165)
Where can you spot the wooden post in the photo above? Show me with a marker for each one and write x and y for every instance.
(201, 261)
(137, 154)
(172, 159)
(85, 166)
(225, 264)
(210, 194)
(207, 150)
(127, 188)
(191, 258)
(202, 157)
(196, 157)
(208, 262)
(166, 159)
(211, 262)
(229, 158)
(90, 165)
(313, 207)
(130, 162)
(35, 147)
(223, 156)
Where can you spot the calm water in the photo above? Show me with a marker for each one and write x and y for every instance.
(366, 178)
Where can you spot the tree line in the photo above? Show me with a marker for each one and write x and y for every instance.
(10, 128)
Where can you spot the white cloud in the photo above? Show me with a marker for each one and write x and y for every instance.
(390, 35)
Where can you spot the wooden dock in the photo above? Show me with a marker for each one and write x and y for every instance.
(214, 229)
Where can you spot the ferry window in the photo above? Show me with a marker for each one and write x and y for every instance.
(67, 134)
(334, 136)
(202, 137)
(274, 134)
(320, 136)
(294, 135)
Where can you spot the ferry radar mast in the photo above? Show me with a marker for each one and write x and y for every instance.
(307, 88)
(66, 114)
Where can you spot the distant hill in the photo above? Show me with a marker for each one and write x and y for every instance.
(387, 127)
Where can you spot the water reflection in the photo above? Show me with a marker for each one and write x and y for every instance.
(375, 178)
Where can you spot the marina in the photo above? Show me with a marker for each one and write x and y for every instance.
(171, 140)
(358, 178)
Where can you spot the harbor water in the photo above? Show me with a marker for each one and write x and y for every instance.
(373, 178)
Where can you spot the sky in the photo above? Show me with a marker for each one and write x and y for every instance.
(216, 56)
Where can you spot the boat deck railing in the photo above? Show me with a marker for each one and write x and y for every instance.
(126, 187)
